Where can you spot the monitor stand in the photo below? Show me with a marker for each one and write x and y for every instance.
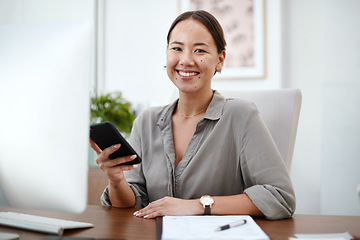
(8, 236)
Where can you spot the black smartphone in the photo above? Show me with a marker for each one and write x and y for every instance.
(105, 134)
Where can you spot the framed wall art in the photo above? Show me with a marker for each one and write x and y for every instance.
(243, 22)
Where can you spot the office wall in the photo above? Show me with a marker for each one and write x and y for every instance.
(312, 45)
(322, 58)
(341, 109)
(302, 68)
(135, 48)
(41, 11)
(135, 51)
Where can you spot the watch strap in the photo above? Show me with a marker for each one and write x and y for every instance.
(207, 210)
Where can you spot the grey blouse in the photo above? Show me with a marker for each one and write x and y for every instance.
(231, 152)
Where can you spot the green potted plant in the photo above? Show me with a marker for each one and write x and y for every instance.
(114, 108)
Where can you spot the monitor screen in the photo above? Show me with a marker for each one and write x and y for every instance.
(45, 75)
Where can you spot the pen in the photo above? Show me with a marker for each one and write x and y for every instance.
(231, 225)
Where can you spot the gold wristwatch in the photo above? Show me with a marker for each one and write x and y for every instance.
(207, 201)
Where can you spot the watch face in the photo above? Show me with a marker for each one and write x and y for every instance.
(206, 200)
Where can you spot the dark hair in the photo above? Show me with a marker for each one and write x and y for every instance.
(209, 22)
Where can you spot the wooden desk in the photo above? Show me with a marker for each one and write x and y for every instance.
(305, 224)
(121, 224)
(108, 223)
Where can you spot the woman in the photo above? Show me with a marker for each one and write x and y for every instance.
(203, 154)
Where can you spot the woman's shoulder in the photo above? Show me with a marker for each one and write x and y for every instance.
(239, 106)
(153, 113)
(240, 112)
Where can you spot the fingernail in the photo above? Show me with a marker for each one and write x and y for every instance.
(116, 145)
(136, 213)
(147, 216)
(135, 166)
(132, 157)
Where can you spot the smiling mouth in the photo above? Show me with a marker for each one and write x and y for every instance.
(187, 74)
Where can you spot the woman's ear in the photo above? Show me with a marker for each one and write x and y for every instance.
(221, 61)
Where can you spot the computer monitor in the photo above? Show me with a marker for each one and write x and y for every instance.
(45, 75)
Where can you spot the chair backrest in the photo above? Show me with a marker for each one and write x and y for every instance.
(280, 109)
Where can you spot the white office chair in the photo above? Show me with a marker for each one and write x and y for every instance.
(280, 109)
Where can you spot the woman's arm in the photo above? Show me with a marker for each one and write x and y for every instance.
(119, 191)
(121, 195)
(239, 204)
(236, 204)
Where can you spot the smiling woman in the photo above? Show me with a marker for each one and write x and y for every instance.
(192, 58)
(202, 154)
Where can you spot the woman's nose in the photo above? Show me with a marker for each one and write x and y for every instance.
(186, 58)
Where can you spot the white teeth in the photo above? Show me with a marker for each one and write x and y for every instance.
(187, 74)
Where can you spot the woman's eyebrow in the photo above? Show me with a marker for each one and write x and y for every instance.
(201, 44)
(195, 44)
(176, 42)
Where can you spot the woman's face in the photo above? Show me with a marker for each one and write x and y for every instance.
(192, 57)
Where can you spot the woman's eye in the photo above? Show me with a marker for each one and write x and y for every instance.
(176, 49)
(199, 51)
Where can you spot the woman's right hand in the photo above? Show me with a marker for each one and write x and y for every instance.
(111, 167)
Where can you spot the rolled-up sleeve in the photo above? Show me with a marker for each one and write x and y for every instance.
(105, 199)
(267, 181)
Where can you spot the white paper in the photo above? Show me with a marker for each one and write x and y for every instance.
(203, 227)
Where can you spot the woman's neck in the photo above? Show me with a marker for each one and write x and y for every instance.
(190, 105)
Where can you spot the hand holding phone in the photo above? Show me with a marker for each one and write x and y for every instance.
(105, 134)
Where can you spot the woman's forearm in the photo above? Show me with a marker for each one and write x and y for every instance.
(121, 194)
(236, 204)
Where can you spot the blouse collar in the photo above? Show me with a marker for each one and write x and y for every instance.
(213, 112)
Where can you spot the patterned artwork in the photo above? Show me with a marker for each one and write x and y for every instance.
(242, 21)
(237, 20)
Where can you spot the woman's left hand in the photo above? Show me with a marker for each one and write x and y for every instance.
(170, 206)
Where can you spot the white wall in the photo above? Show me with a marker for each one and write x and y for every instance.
(135, 51)
(40, 11)
(341, 108)
(302, 68)
(322, 58)
(312, 45)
